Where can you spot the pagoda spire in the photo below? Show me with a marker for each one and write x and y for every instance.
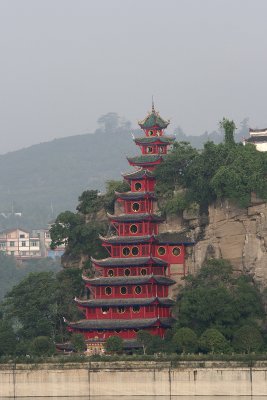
(153, 105)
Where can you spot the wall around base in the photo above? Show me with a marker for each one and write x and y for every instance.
(133, 378)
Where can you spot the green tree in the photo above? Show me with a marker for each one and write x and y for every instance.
(42, 346)
(89, 202)
(229, 128)
(144, 338)
(32, 304)
(114, 344)
(78, 342)
(185, 340)
(247, 339)
(8, 341)
(217, 298)
(39, 302)
(213, 341)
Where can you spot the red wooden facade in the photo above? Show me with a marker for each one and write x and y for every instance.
(130, 290)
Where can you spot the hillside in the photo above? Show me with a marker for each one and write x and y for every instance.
(45, 179)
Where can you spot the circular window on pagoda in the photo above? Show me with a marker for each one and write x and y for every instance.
(176, 251)
(149, 149)
(110, 272)
(138, 186)
(143, 271)
(126, 251)
(136, 309)
(135, 207)
(108, 290)
(127, 272)
(105, 309)
(133, 229)
(123, 290)
(121, 309)
(150, 133)
(161, 251)
(160, 149)
(135, 251)
(138, 289)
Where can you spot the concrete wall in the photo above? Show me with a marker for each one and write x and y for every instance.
(133, 378)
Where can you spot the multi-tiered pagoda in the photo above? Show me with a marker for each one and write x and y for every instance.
(131, 288)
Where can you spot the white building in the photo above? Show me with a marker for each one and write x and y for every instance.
(259, 138)
(20, 244)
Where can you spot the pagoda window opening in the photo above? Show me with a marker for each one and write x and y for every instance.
(151, 133)
(127, 272)
(138, 186)
(136, 309)
(121, 309)
(135, 251)
(149, 149)
(135, 207)
(123, 290)
(108, 291)
(133, 228)
(110, 272)
(176, 251)
(143, 271)
(126, 251)
(161, 149)
(138, 290)
(118, 330)
(105, 309)
(161, 251)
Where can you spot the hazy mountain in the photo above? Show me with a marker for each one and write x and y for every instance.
(45, 179)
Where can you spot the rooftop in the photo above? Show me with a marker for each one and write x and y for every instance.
(155, 139)
(135, 195)
(129, 280)
(125, 262)
(124, 302)
(126, 239)
(138, 174)
(135, 217)
(107, 324)
(153, 119)
(145, 159)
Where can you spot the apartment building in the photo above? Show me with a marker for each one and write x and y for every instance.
(20, 244)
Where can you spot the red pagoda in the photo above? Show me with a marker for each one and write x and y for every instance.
(131, 290)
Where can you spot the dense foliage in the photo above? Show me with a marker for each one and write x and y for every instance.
(80, 231)
(36, 306)
(226, 170)
(11, 272)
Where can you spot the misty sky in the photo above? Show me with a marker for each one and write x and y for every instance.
(64, 63)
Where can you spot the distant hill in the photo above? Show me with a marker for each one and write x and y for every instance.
(45, 179)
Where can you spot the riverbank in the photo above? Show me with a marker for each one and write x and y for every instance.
(113, 379)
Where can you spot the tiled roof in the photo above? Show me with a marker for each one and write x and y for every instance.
(107, 324)
(125, 262)
(128, 280)
(140, 173)
(165, 301)
(135, 217)
(154, 139)
(153, 119)
(145, 159)
(127, 239)
(255, 139)
(135, 195)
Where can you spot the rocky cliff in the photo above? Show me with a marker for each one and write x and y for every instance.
(237, 235)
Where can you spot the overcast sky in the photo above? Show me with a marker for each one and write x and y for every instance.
(64, 63)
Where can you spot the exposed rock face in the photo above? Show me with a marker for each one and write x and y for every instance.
(238, 235)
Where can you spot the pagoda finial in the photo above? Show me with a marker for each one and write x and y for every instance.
(153, 106)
